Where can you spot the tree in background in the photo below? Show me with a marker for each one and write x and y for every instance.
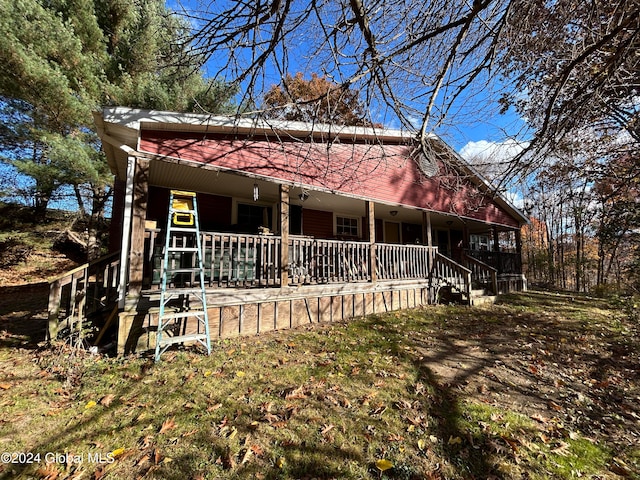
(62, 59)
(318, 100)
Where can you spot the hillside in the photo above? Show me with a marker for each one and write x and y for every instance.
(30, 254)
(28, 250)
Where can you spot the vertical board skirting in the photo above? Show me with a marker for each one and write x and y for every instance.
(258, 312)
(254, 316)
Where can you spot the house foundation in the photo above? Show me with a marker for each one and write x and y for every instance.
(255, 311)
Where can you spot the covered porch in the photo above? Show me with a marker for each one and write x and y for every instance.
(300, 222)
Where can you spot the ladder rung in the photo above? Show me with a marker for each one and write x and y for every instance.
(183, 338)
(184, 291)
(188, 313)
(180, 210)
(182, 218)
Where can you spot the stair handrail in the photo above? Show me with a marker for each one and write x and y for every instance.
(479, 267)
(442, 263)
(78, 277)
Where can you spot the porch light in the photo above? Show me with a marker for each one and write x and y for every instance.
(256, 192)
(393, 213)
(303, 196)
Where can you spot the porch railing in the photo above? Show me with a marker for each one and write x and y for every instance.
(404, 261)
(229, 260)
(254, 260)
(482, 274)
(452, 274)
(328, 261)
(82, 292)
(504, 262)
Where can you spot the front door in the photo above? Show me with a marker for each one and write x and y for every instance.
(391, 232)
(442, 237)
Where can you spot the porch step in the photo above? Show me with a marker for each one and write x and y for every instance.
(481, 296)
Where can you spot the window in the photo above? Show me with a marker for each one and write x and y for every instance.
(347, 226)
(251, 217)
(479, 242)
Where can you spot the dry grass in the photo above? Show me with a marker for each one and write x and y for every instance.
(441, 392)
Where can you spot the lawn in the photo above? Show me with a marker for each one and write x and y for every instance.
(538, 386)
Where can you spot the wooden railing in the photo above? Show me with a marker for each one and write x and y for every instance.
(254, 260)
(450, 273)
(504, 262)
(229, 260)
(81, 292)
(404, 261)
(328, 261)
(482, 274)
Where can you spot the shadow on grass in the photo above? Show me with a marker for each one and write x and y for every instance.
(23, 314)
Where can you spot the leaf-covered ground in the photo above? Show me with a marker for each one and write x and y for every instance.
(538, 386)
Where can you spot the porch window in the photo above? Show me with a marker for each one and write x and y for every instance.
(252, 217)
(347, 226)
(479, 242)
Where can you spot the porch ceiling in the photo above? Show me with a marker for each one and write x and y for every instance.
(203, 179)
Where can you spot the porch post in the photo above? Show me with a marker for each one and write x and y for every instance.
(371, 222)
(138, 213)
(284, 235)
(518, 236)
(496, 239)
(125, 241)
(426, 228)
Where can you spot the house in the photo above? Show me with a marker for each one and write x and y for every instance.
(300, 223)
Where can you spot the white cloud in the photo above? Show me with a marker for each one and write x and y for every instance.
(485, 152)
(492, 160)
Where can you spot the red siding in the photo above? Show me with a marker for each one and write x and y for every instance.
(317, 223)
(383, 173)
(214, 211)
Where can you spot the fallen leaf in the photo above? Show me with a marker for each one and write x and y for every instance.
(246, 456)
(383, 465)
(327, 429)
(539, 418)
(257, 450)
(167, 425)
(421, 444)
(240, 374)
(280, 462)
(90, 404)
(454, 440)
(5, 386)
(48, 472)
(107, 399)
(118, 452)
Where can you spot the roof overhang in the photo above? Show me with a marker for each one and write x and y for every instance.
(120, 130)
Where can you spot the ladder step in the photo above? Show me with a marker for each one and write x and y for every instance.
(184, 291)
(183, 338)
(182, 210)
(183, 270)
(188, 313)
(183, 249)
(182, 218)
